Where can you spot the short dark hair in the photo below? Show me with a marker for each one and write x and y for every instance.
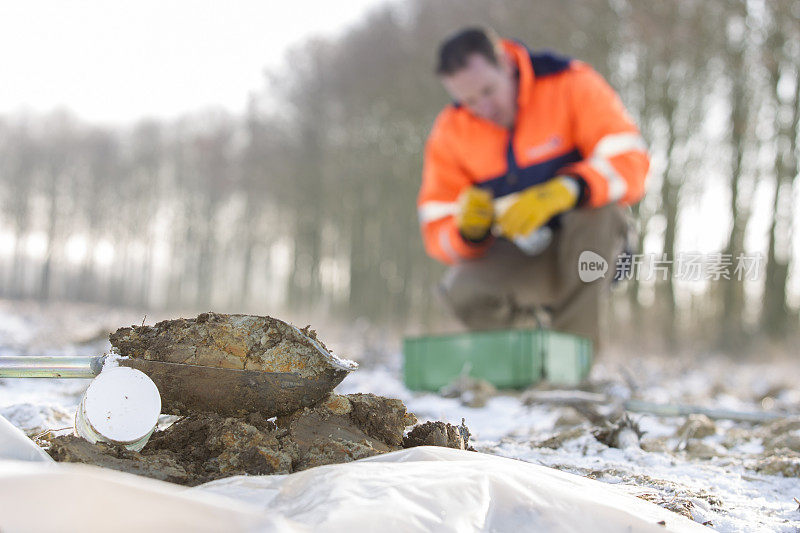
(456, 49)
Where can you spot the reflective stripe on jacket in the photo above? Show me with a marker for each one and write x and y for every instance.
(569, 122)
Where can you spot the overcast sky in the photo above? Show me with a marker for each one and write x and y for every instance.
(114, 62)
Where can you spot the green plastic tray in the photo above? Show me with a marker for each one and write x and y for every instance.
(508, 359)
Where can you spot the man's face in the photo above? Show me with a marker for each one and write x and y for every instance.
(488, 91)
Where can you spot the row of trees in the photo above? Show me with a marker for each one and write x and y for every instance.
(307, 202)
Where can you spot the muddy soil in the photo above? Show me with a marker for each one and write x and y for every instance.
(287, 368)
(243, 342)
(438, 434)
(72, 449)
(205, 447)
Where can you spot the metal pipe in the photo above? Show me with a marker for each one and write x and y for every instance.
(638, 406)
(50, 366)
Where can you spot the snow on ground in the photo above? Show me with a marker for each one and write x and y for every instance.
(733, 476)
(707, 480)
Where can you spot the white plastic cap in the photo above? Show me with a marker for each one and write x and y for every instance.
(121, 405)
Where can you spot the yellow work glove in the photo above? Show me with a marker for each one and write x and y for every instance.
(475, 213)
(534, 206)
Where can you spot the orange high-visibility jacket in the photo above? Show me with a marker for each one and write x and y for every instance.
(569, 122)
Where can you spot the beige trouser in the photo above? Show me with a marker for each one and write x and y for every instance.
(505, 286)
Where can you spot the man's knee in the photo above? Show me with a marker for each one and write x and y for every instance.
(598, 230)
(609, 220)
(601, 230)
(476, 303)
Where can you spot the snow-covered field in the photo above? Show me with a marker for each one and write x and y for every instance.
(732, 476)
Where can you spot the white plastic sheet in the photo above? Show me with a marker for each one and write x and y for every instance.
(66, 497)
(14, 444)
(440, 489)
(421, 489)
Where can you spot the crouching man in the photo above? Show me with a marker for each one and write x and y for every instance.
(530, 167)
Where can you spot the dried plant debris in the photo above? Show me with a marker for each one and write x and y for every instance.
(691, 503)
(557, 441)
(622, 433)
(203, 447)
(677, 504)
(242, 342)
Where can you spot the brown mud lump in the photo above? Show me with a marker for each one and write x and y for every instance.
(161, 466)
(381, 418)
(345, 428)
(242, 342)
(224, 446)
(203, 447)
(438, 434)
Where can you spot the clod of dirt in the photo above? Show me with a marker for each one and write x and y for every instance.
(779, 427)
(699, 449)
(346, 428)
(286, 368)
(790, 441)
(783, 462)
(568, 418)
(779, 434)
(221, 447)
(735, 436)
(243, 342)
(697, 426)
(382, 418)
(438, 434)
(204, 446)
(194, 450)
(162, 466)
(655, 444)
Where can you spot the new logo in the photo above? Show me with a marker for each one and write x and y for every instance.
(591, 266)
